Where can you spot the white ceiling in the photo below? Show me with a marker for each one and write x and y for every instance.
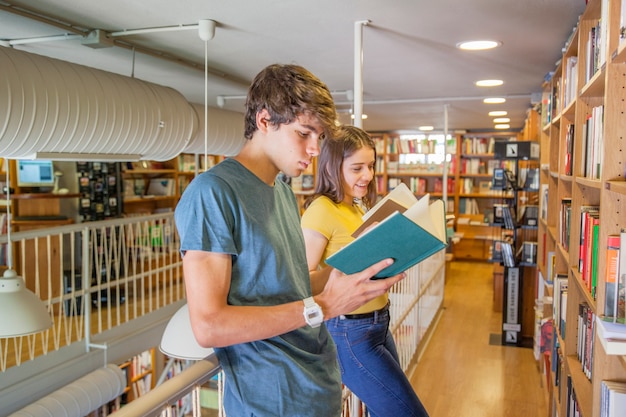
(412, 70)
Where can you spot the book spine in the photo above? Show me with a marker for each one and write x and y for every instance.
(610, 278)
(594, 257)
(621, 284)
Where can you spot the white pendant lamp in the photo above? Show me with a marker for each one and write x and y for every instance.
(178, 340)
(21, 310)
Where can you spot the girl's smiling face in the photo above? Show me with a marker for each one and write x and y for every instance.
(357, 172)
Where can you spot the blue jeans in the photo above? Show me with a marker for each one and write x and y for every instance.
(370, 367)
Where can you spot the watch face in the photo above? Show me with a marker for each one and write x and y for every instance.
(313, 316)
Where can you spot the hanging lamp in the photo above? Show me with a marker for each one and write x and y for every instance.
(22, 312)
(178, 340)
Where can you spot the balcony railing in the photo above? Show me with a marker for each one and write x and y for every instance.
(415, 303)
(95, 277)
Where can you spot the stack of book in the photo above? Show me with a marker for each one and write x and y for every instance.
(612, 336)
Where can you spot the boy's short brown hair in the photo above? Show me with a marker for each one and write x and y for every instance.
(287, 91)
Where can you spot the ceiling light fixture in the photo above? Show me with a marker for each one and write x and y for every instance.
(478, 45)
(496, 113)
(22, 311)
(502, 126)
(489, 83)
(501, 120)
(426, 128)
(494, 100)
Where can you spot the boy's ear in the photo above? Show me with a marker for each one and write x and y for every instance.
(263, 120)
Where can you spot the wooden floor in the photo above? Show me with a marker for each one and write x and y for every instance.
(462, 374)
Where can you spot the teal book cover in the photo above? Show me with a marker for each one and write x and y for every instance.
(408, 238)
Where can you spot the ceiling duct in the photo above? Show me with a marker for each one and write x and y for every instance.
(59, 110)
(224, 135)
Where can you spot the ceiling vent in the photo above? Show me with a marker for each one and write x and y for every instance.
(224, 134)
(57, 110)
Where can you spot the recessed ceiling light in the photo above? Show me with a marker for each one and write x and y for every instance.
(489, 83)
(502, 126)
(426, 128)
(498, 113)
(477, 45)
(501, 120)
(363, 116)
(494, 100)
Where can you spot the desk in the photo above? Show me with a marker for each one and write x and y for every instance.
(40, 208)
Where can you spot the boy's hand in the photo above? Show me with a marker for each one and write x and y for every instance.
(345, 293)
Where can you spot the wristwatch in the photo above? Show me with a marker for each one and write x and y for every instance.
(313, 314)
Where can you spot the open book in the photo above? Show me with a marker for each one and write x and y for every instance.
(409, 235)
(399, 199)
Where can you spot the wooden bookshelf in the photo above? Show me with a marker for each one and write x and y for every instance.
(151, 186)
(597, 96)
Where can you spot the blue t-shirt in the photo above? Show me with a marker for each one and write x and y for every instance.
(230, 210)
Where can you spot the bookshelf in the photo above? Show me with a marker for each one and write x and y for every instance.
(417, 161)
(152, 187)
(582, 166)
(140, 374)
(475, 195)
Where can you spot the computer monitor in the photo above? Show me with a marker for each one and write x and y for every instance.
(35, 173)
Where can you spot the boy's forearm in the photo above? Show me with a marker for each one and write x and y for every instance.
(241, 324)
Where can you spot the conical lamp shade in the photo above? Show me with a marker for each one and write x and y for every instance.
(21, 311)
(178, 340)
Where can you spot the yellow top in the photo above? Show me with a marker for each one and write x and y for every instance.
(336, 222)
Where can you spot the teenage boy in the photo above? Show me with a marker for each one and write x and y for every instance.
(244, 261)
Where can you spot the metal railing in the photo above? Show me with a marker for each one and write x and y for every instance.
(97, 276)
(415, 303)
(93, 277)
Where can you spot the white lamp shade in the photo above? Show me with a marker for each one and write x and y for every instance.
(21, 311)
(178, 340)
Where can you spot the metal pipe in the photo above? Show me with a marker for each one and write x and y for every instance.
(358, 72)
(445, 157)
(64, 37)
(128, 32)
